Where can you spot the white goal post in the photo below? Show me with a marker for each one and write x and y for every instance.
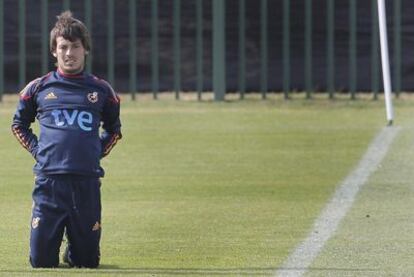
(382, 20)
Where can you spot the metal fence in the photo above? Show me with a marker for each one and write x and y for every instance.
(209, 22)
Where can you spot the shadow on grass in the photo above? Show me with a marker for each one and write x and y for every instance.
(116, 270)
(330, 270)
(106, 269)
(270, 271)
(191, 271)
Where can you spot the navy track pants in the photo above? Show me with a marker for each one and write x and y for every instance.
(70, 203)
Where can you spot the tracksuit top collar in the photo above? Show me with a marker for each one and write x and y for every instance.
(79, 75)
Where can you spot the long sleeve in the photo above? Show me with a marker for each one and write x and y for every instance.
(111, 123)
(24, 117)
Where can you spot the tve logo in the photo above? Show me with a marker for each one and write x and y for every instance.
(83, 119)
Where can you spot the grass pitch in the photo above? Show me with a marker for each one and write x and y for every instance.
(376, 237)
(203, 188)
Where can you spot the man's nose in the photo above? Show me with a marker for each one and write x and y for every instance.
(68, 51)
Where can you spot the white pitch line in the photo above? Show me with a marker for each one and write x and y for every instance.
(326, 224)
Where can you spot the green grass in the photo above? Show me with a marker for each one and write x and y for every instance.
(203, 188)
(376, 237)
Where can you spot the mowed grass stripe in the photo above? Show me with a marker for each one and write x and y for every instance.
(376, 237)
(326, 224)
(226, 187)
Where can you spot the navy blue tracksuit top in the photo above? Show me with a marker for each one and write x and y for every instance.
(70, 110)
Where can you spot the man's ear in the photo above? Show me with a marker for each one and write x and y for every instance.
(54, 54)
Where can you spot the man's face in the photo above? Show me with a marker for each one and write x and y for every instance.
(70, 55)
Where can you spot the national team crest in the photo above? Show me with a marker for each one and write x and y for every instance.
(35, 222)
(93, 97)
